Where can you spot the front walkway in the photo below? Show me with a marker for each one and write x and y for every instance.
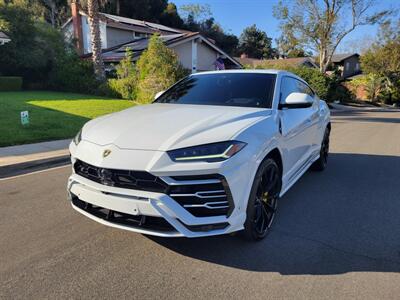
(31, 152)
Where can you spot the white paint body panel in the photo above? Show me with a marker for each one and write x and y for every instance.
(139, 138)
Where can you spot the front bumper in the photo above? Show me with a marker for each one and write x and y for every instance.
(130, 210)
(99, 197)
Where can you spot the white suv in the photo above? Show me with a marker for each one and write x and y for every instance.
(212, 155)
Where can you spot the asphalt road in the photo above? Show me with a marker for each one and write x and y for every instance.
(336, 236)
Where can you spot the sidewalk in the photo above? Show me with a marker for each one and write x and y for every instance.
(14, 155)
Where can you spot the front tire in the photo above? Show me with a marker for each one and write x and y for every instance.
(263, 200)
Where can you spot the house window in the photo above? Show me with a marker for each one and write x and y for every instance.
(347, 65)
(357, 66)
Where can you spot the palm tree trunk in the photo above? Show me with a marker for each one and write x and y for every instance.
(118, 7)
(94, 23)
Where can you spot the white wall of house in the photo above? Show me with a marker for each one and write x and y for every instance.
(87, 41)
(184, 52)
(205, 56)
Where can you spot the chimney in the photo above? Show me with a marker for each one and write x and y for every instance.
(77, 27)
(244, 55)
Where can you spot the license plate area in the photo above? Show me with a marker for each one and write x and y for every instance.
(106, 201)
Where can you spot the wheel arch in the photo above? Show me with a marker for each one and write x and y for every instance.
(276, 155)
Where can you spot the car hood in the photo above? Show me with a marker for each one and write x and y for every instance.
(170, 126)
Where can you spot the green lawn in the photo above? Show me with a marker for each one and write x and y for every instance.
(52, 115)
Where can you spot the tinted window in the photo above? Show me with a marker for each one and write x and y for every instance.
(292, 85)
(288, 86)
(304, 88)
(230, 89)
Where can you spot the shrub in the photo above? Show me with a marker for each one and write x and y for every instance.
(371, 84)
(10, 83)
(158, 68)
(124, 85)
(72, 74)
(318, 81)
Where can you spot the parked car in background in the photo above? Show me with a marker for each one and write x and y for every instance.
(212, 155)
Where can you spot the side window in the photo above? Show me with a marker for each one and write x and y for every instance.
(288, 86)
(304, 88)
(291, 85)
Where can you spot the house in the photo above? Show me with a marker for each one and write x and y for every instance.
(295, 62)
(4, 38)
(194, 51)
(347, 64)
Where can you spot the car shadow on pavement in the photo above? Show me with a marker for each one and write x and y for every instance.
(345, 219)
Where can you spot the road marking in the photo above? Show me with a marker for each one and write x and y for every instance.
(35, 172)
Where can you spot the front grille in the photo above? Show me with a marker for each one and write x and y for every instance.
(201, 195)
(144, 222)
(137, 180)
(206, 198)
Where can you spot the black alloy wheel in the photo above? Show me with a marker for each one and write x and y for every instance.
(263, 200)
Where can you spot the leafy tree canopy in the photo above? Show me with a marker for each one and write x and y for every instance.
(255, 43)
(34, 44)
(383, 59)
(322, 25)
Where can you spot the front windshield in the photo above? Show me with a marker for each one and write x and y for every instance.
(228, 89)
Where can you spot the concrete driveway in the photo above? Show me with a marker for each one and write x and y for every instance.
(336, 235)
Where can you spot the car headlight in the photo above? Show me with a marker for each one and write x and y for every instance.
(210, 152)
(78, 137)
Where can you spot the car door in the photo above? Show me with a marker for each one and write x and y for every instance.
(296, 127)
(313, 115)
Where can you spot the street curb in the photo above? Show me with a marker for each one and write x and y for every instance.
(32, 166)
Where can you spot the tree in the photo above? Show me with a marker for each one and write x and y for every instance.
(33, 46)
(196, 12)
(199, 18)
(255, 43)
(94, 24)
(321, 25)
(170, 16)
(382, 60)
(289, 46)
(125, 83)
(158, 68)
(147, 10)
(55, 11)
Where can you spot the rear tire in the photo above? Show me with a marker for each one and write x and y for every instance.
(263, 201)
(321, 163)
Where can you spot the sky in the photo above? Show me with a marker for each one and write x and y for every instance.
(235, 15)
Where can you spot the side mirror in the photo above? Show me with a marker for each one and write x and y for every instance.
(158, 94)
(297, 100)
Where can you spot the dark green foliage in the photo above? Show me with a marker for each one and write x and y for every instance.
(10, 83)
(383, 60)
(23, 56)
(72, 74)
(255, 43)
(318, 81)
(124, 86)
(329, 88)
(34, 49)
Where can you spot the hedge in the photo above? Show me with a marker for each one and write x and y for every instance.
(8, 83)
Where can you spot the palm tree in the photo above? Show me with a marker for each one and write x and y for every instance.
(94, 24)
